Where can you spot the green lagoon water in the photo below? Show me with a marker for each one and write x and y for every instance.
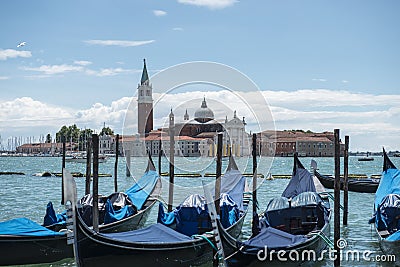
(27, 195)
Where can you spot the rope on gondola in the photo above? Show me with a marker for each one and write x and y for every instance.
(161, 200)
(324, 237)
(329, 194)
(207, 239)
(233, 254)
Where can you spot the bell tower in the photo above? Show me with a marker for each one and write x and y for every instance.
(145, 103)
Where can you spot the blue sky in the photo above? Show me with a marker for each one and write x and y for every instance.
(320, 64)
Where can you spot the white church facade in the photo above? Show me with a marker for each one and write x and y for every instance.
(197, 137)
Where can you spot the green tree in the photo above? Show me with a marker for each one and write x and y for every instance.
(70, 133)
(106, 131)
(84, 138)
(63, 132)
(48, 138)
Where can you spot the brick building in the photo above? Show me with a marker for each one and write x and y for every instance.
(286, 143)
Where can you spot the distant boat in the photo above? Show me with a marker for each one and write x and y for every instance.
(354, 185)
(367, 158)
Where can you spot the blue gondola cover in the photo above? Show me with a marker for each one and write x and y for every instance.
(25, 227)
(272, 239)
(141, 190)
(387, 216)
(302, 181)
(156, 233)
(389, 184)
(115, 207)
(394, 237)
(52, 218)
(118, 207)
(233, 183)
(229, 211)
(191, 217)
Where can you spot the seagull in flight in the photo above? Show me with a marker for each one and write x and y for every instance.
(21, 44)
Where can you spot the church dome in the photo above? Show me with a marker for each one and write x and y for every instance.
(204, 114)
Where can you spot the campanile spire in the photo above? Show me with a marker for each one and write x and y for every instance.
(145, 103)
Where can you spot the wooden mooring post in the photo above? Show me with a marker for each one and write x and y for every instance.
(217, 192)
(254, 173)
(95, 142)
(116, 164)
(336, 213)
(88, 165)
(171, 161)
(62, 169)
(218, 173)
(128, 162)
(345, 180)
(160, 152)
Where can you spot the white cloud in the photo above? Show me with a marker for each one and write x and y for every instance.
(105, 72)
(27, 117)
(159, 13)
(82, 62)
(4, 78)
(319, 80)
(118, 42)
(177, 29)
(80, 66)
(308, 98)
(110, 72)
(11, 53)
(27, 112)
(212, 4)
(55, 69)
(37, 77)
(99, 113)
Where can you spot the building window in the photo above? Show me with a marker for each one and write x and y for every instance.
(141, 92)
(148, 92)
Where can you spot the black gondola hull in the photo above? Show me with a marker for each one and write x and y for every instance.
(15, 250)
(390, 249)
(239, 258)
(98, 250)
(354, 185)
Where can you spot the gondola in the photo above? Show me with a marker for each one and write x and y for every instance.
(387, 210)
(294, 223)
(355, 185)
(192, 215)
(144, 194)
(23, 241)
(156, 245)
(132, 207)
